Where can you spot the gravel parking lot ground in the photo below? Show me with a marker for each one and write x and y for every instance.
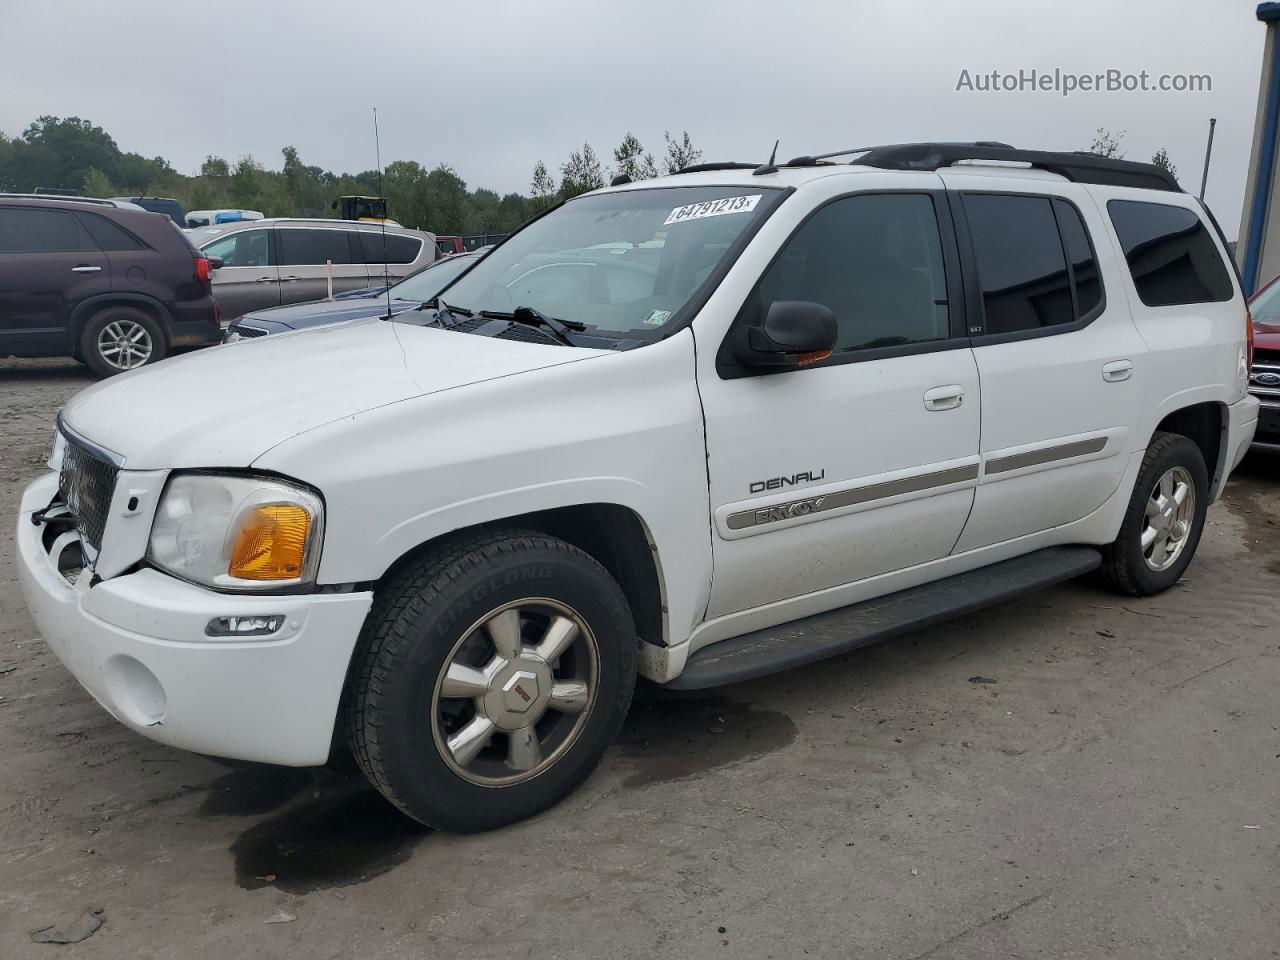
(1113, 793)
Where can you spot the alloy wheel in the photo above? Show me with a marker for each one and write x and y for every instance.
(125, 344)
(515, 692)
(1170, 511)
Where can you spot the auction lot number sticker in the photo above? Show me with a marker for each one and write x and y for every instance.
(712, 208)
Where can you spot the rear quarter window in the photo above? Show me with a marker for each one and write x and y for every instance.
(1171, 255)
(108, 235)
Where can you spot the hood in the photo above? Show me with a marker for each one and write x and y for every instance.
(298, 316)
(227, 405)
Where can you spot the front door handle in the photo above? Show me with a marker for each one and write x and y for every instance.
(266, 280)
(86, 268)
(944, 398)
(1117, 370)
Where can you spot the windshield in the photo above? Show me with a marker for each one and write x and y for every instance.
(429, 281)
(1266, 307)
(622, 264)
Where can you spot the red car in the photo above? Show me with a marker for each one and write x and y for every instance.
(1264, 375)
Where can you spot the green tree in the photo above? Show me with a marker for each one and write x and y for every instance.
(680, 153)
(542, 188)
(1107, 143)
(580, 173)
(630, 159)
(214, 167)
(1161, 159)
(60, 152)
(96, 184)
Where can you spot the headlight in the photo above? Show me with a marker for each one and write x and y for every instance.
(59, 450)
(237, 532)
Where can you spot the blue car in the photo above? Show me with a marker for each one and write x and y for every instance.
(409, 294)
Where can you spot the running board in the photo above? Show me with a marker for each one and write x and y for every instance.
(829, 634)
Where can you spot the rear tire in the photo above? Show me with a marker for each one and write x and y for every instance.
(490, 677)
(118, 339)
(1164, 519)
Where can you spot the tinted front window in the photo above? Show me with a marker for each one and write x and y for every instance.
(313, 247)
(1021, 267)
(30, 230)
(624, 262)
(109, 235)
(399, 248)
(1171, 256)
(1084, 265)
(874, 261)
(248, 248)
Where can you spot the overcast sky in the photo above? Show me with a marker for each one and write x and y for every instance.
(491, 86)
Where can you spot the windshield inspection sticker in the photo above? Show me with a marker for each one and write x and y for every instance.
(713, 208)
(657, 318)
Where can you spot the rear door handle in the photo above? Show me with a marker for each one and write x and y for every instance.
(86, 268)
(282, 279)
(1117, 370)
(944, 398)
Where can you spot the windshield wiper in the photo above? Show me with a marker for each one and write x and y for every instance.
(533, 317)
(445, 313)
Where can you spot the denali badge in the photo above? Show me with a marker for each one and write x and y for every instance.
(777, 483)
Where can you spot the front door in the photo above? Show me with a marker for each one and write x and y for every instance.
(863, 463)
(1060, 360)
(248, 278)
(48, 264)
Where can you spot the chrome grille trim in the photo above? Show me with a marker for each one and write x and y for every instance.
(87, 483)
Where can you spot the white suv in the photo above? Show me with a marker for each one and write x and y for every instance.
(699, 428)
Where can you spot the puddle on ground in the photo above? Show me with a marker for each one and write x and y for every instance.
(671, 737)
(343, 833)
(252, 790)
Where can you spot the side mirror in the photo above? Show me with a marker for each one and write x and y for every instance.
(794, 333)
(215, 263)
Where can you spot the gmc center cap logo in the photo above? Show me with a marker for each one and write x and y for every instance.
(520, 690)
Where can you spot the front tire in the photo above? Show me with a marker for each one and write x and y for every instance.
(118, 339)
(1164, 520)
(489, 679)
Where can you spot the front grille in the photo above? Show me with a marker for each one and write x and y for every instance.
(1264, 376)
(87, 482)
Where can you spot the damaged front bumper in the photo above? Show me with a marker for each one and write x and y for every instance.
(137, 644)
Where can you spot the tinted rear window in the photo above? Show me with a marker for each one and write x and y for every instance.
(31, 230)
(1021, 265)
(400, 249)
(1172, 257)
(303, 247)
(109, 235)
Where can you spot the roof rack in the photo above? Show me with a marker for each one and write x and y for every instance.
(720, 165)
(1079, 166)
(59, 197)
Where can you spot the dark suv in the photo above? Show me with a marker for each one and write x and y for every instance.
(112, 285)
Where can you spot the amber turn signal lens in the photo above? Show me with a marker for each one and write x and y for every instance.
(271, 544)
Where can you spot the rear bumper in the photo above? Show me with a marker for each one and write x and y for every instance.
(137, 644)
(1267, 435)
(194, 324)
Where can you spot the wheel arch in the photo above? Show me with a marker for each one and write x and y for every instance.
(614, 535)
(1205, 424)
(87, 308)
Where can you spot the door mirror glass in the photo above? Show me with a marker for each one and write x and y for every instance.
(794, 333)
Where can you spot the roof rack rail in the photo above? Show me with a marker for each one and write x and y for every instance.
(1079, 166)
(720, 165)
(58, 196)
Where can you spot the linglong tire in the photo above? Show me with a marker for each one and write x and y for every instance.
(490, 677)
(118, 339)
(1164, 519)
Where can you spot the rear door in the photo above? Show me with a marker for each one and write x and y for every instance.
(393, 255)
(1060, 361)
(48, 264)
(248, 278)
(308, 254)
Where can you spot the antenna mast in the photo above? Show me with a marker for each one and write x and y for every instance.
(386, 267)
